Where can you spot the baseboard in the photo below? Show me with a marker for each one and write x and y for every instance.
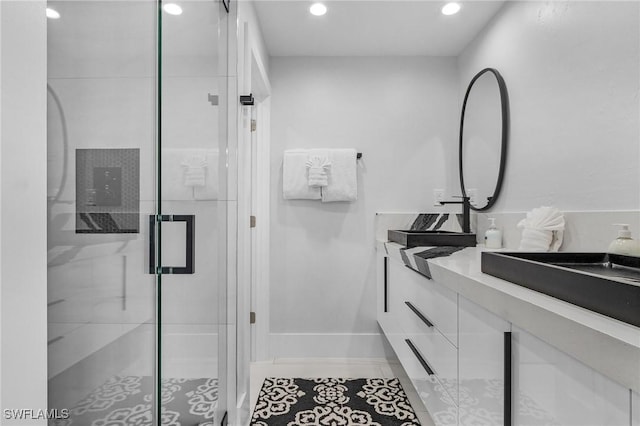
(321, 345)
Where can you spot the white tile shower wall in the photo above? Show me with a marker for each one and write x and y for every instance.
(401, 114)
(571, 69)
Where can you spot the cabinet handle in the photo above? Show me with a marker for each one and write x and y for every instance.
(418, 355)
(419, 314)
(507, 379)
(386, 278)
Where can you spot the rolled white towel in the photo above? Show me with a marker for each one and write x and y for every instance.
(536, 240)
(542, 230)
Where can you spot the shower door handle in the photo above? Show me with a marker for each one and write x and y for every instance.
(190, 244)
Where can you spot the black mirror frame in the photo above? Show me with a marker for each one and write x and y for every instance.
(504, 102)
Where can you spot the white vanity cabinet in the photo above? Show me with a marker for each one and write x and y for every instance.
(427, 313)
(472, 366)
(482, 359)
(552, 388)
(417, 313)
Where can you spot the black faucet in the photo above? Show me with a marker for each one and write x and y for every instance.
(466, 211)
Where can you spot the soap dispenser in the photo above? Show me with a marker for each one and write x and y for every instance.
(493, 236)
(624, 244)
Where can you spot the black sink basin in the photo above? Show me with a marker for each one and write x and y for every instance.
(412, 238)
(605, 283)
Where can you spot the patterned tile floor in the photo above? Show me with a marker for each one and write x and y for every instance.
(127, 401)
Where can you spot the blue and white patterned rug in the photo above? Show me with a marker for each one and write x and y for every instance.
(127, 401)
(345, 402)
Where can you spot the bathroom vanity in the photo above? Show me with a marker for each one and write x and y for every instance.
(482, 350)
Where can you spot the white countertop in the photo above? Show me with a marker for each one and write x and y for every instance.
(605, 344)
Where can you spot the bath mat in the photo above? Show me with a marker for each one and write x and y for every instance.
(332, 401)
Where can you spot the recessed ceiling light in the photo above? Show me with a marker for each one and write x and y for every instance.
(450, 8)
(172, 9)
(52, 14)
(318, 9)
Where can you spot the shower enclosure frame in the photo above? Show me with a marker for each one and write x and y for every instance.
(227, 204)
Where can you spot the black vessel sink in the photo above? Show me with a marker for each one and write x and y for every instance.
(431, 238)
(605, 283)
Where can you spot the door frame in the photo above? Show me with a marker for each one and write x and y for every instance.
(253, 200)
(260, 349)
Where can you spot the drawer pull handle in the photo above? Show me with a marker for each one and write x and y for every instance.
(418, 355)
(419, 314)
(386, 284)
(508, 417)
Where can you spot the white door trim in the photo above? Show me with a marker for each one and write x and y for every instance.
(253, 199)
(261, 89)
(260, 284)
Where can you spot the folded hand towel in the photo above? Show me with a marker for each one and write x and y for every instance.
(173, 187)
(194, 169)
(210, 189)
(343, 183)
(318, 165)
(295, 181)
(543, 230)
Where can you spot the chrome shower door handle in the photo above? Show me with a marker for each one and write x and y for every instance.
(189, 249)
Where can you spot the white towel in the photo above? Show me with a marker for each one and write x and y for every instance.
(195, 169)
(318, 165)
(179, 182)
(343, 183)
(173, 175)
(295, 181)
(542, 230)
(210, 189)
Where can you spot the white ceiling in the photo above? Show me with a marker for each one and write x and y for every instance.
(371, 28)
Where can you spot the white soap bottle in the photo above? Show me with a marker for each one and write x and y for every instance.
(493, 236)
(624, 244)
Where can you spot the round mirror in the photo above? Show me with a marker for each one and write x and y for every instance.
(484, 130)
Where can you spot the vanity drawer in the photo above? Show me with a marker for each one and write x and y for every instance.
(441, 357)
(432, 393)
(436, 303)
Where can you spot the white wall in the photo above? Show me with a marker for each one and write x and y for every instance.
(1, 404)
(23, 251)
(572, 71)
(401, 113)
(247, 14)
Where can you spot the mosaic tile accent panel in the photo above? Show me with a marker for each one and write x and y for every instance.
(107, 191)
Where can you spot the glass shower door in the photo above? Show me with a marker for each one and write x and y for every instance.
(101, 185)
(193, 188)
(136, 213)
